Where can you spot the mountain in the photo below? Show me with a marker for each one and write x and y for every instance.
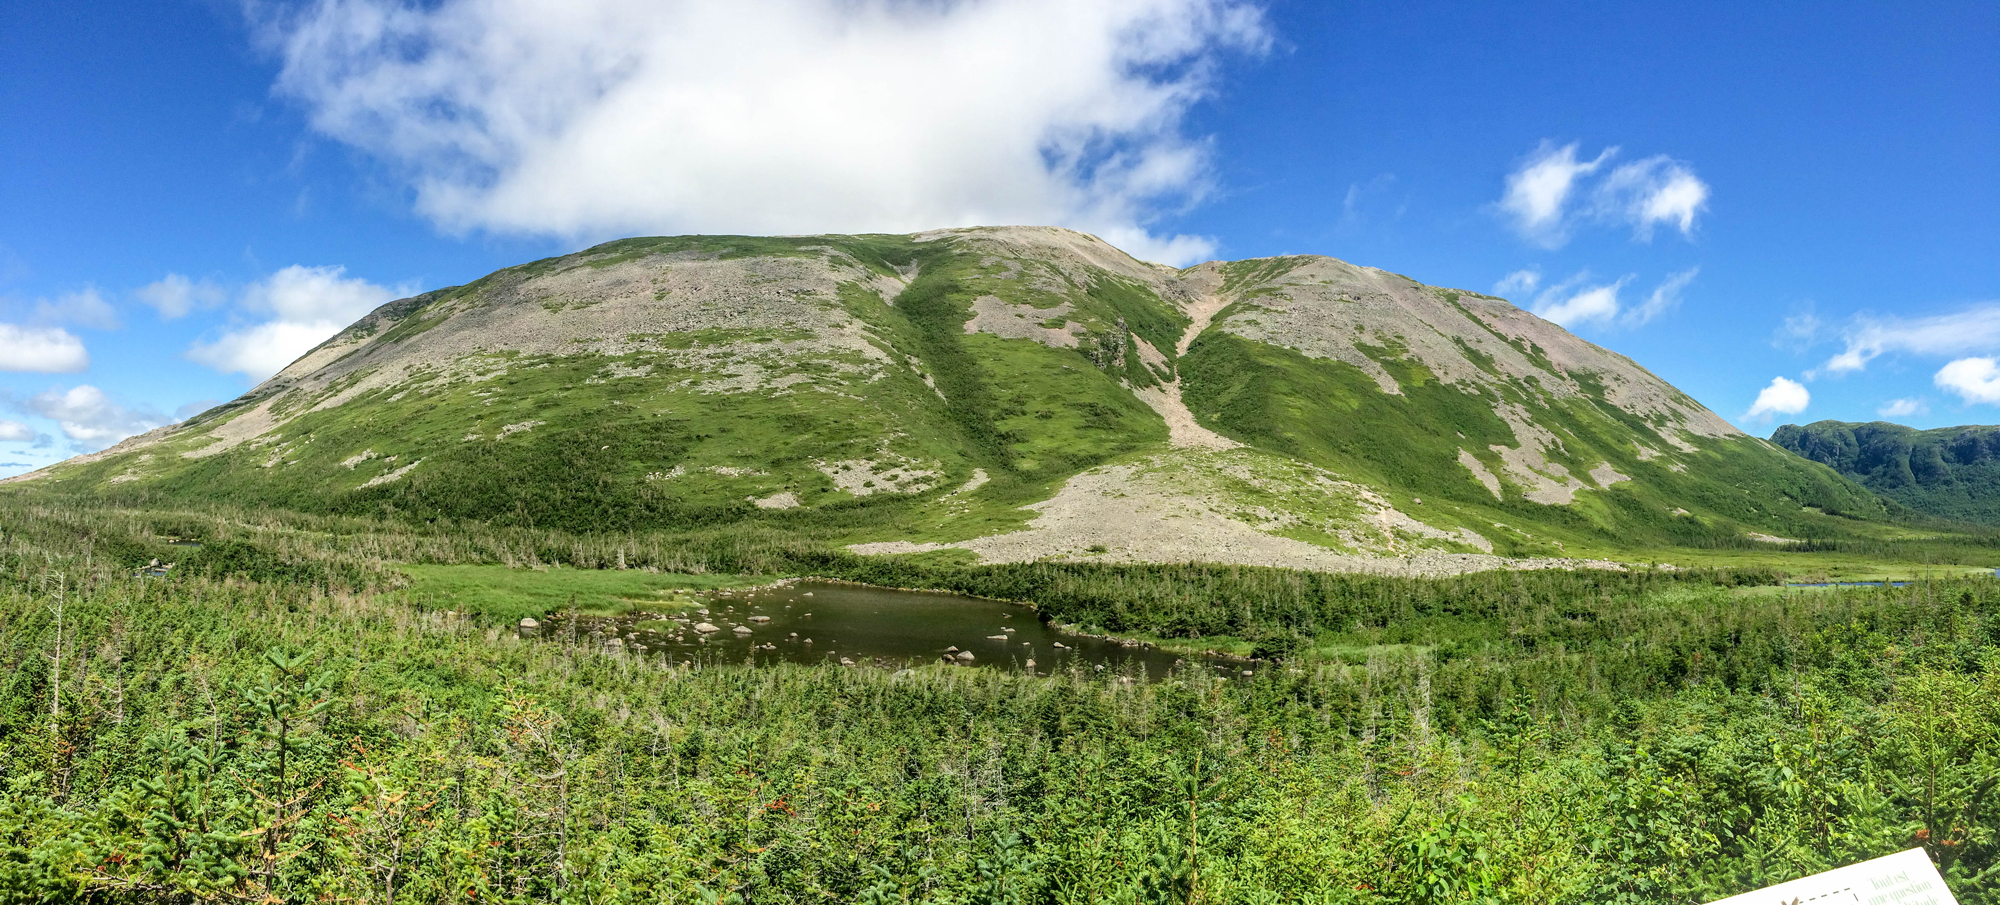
(1005, 393)
(1949, 472)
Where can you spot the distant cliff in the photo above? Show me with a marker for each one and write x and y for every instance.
(1951, 472)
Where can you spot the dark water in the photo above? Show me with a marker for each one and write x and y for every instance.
(816, 622)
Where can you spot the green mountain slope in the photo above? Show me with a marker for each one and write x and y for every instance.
(1000, 393)
(1949, 472)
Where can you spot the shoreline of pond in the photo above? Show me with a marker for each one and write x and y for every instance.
(1067, 628)
(806, 620)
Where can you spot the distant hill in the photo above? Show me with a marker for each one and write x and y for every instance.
(1004, 394)
(1949, 472)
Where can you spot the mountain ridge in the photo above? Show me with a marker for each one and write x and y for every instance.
(1000, 393)
(1946, 472)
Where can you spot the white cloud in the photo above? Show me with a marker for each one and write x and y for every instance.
(1652, 191)
(1588, 304)
(1578, 301)
(1538, 193)
(89, 418)
(774, 116)
(1664, 298)
(84, 308)
(1973, 379)
(1541, 193)
(1520, 281)
(176, 296)
(1974, 329)
(12, 431)
(1782, 397)
(309, 304)
(1903, 408)
(46, 350)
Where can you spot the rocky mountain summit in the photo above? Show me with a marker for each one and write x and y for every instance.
(1003, 394)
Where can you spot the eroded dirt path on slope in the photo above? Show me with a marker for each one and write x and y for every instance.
(1182, 429)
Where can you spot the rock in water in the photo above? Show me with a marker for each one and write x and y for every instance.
(964, 656)
(706, 627)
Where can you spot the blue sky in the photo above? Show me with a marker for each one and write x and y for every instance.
(1791, 212)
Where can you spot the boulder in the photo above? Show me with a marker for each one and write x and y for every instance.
(996, 637)
(964, 656)
(530, 623)
(741, 630)
(706, 627)
(760, 619)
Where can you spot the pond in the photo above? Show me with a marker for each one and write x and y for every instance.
(837, 622)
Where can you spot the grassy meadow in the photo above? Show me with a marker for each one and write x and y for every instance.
(332, 708)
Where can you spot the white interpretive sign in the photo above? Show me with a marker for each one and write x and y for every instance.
(1904, 878)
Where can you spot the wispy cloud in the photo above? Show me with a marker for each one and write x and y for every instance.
(1974, 329)
(90, 418)
(1580, 300)
(1520, 282)
(85, 307)
(1575, 302)
(1664, 297)
(1903, 408)
(1552, 191)
(1802, 329)
(300, 308)
(775, 116)
(1650, 192)
(1363, 203)
(1538, 192)
(44, 350)
(1782, 397)
(176, 296)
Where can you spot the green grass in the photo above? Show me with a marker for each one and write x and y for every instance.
(508, 594)
(1528, 739)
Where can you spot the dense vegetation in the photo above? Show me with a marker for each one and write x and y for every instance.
(1948, 472)
(280, 720)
